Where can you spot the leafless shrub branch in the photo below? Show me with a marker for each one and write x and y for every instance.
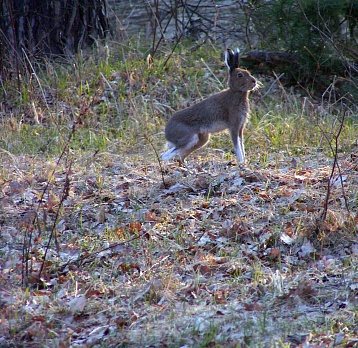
(330, 182)
(28, 235)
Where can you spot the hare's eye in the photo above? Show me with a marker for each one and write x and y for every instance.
(240, 74)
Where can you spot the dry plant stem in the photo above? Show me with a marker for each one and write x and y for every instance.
(64, 195)
(26, 247)
(158, 159)
(212, 73)
(18, 171)
(277, 80)
(37, 79)
(26, 253)
(335, 164)
(154, 265)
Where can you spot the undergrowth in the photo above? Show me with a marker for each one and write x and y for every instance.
(123, 95)
(104, 245)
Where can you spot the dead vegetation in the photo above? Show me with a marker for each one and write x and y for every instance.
(102, 246)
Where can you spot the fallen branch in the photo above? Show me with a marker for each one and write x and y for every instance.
(273, 58)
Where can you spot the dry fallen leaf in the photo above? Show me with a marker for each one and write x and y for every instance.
(77, 304)
(253, 307)
(101, 215)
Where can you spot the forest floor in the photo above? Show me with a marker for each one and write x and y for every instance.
(102, 245)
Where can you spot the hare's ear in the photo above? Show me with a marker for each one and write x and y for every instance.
(229, 59)
(236, 58)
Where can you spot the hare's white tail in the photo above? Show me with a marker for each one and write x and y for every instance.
(168, 155)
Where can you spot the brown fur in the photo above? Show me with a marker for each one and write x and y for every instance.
(189, 129)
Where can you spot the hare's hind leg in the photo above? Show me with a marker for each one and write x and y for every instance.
(180, 147)
(202, 139)
(189, 145)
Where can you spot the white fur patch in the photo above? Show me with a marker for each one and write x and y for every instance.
(192, 142)
(168, 155)
(172, 152)
(240, 152)
(226, 60)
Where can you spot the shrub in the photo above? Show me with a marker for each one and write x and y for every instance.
(320, 34)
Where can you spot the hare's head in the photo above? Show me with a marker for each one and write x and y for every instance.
(239, 79)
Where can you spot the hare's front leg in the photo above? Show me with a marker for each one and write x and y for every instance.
(238, 140)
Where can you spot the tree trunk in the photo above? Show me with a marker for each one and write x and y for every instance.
(49, 27)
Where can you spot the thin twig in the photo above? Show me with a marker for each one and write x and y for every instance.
(26, 256)
(158, 159)
(53, 234)
(182, 33)
(335, 164)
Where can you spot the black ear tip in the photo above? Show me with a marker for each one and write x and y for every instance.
(236, 58)
(231, 59)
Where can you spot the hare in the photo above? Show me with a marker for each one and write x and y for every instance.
(189, 129)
